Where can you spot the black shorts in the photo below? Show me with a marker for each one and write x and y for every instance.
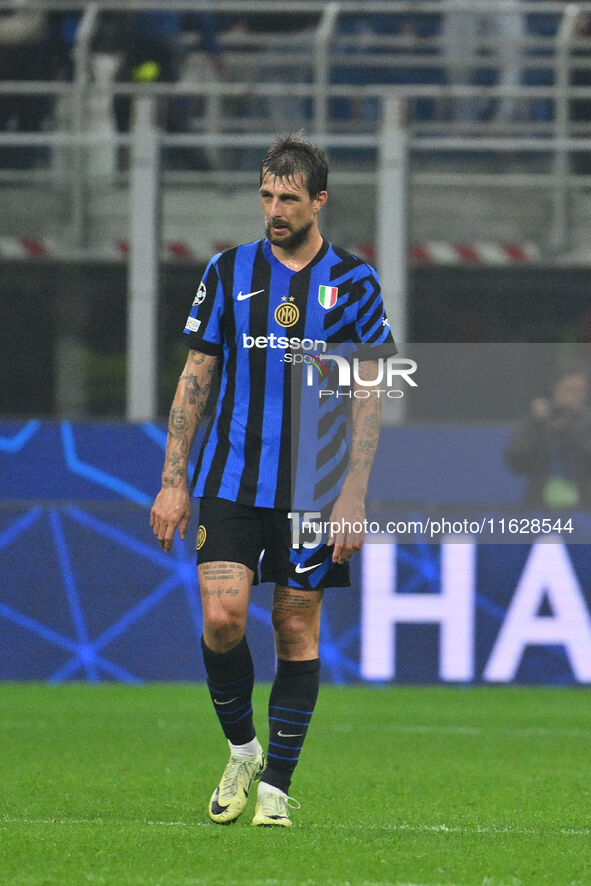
(237, 533)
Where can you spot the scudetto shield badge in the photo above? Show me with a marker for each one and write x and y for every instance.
(327, 296)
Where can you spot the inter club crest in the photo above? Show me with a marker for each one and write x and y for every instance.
(287, 314)
(327, 296)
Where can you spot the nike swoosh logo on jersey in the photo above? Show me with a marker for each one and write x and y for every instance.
(306, 568)
(290, 734)
(242, 295)
(220, 703)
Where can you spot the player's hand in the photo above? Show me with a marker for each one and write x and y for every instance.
(348, 512)
(171, 510)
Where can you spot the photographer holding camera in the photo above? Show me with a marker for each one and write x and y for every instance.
(553, 446)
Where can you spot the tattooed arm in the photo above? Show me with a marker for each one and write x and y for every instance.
(172, 507)
(349, 507)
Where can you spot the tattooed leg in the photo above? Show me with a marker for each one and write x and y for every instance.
(225, 592)
(296, 623)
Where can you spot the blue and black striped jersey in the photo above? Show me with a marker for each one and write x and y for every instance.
(268, 324)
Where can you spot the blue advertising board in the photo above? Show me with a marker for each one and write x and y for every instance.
(87, 594)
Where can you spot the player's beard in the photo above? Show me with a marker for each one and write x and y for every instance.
(293, 240)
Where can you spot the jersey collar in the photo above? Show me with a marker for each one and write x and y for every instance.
(273, 260)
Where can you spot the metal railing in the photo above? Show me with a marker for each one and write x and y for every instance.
(263, 69)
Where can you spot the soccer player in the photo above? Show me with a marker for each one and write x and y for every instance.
(262, 311)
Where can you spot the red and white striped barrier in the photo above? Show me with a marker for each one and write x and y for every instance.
(439, 252)
(436, 252)
(484, 253)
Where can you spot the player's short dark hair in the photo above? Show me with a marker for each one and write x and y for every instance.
(291, 155)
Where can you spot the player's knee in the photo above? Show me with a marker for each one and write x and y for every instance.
(292, 631)
(224, 628)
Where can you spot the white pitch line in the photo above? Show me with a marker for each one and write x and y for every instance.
(410, 728)
(491, 830)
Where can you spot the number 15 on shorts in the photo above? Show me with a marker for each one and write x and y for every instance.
(306, 529)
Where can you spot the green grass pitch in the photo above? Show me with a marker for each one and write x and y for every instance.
(424, 786)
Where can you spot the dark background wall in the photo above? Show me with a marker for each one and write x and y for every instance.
(39, 302)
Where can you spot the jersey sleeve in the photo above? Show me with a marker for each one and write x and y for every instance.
(372, 327)
(204, 327)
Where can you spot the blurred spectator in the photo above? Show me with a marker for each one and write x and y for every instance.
(553, 446)
(152, 48)
(63, 27)
(482, 48)
(153, 51)
(288, 35)
(25, 54)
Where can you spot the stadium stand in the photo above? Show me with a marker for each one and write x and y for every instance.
(494, 192)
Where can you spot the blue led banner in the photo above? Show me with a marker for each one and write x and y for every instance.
(87, 594)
